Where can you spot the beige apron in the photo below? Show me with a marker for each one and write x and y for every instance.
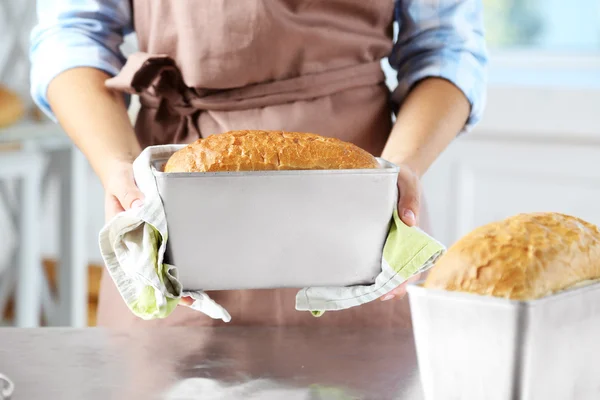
(210, 66)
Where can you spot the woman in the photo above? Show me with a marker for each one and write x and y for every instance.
(211, 66)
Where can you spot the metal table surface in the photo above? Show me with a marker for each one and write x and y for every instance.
(210, 363)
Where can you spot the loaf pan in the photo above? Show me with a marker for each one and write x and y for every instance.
(473, 347)
(277, 229)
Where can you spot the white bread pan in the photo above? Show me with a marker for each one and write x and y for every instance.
(472, 347)
(274, 229)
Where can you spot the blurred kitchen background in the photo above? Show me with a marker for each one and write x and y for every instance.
(537, 148)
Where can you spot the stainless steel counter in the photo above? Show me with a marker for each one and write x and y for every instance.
(210, 363)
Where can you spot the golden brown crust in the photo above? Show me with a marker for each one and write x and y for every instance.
(12, 108)
(524, 257)
(268, 150)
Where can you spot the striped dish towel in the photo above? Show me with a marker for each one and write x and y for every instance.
(134, 242)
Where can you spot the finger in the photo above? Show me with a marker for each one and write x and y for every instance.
(130, 196)
(131, 199)
(409, 198)
(123, 187)
(186, 301)
(396, 293)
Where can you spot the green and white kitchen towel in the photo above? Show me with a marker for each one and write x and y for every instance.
(134, 242)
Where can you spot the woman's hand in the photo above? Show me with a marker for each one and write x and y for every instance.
(121, 191)
(409, 203)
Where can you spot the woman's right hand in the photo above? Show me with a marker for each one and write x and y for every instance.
(121, 191)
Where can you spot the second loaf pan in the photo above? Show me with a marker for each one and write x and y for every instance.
(473, 347)
(276, 229)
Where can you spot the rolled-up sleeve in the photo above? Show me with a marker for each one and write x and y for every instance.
(444, 39)
(76, 33)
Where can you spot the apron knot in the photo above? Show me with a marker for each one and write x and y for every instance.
(154, 78)
(158, 82)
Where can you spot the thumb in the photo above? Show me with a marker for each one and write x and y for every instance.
(130, 196)
(409, 198)
(124, 188)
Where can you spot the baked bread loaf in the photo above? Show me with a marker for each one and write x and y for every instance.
(12, 108)
(524, 257)
(268, 150)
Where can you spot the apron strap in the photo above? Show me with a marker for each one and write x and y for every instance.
(304, 87)
(157, 77)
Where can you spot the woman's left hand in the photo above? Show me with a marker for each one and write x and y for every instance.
(409, 204)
